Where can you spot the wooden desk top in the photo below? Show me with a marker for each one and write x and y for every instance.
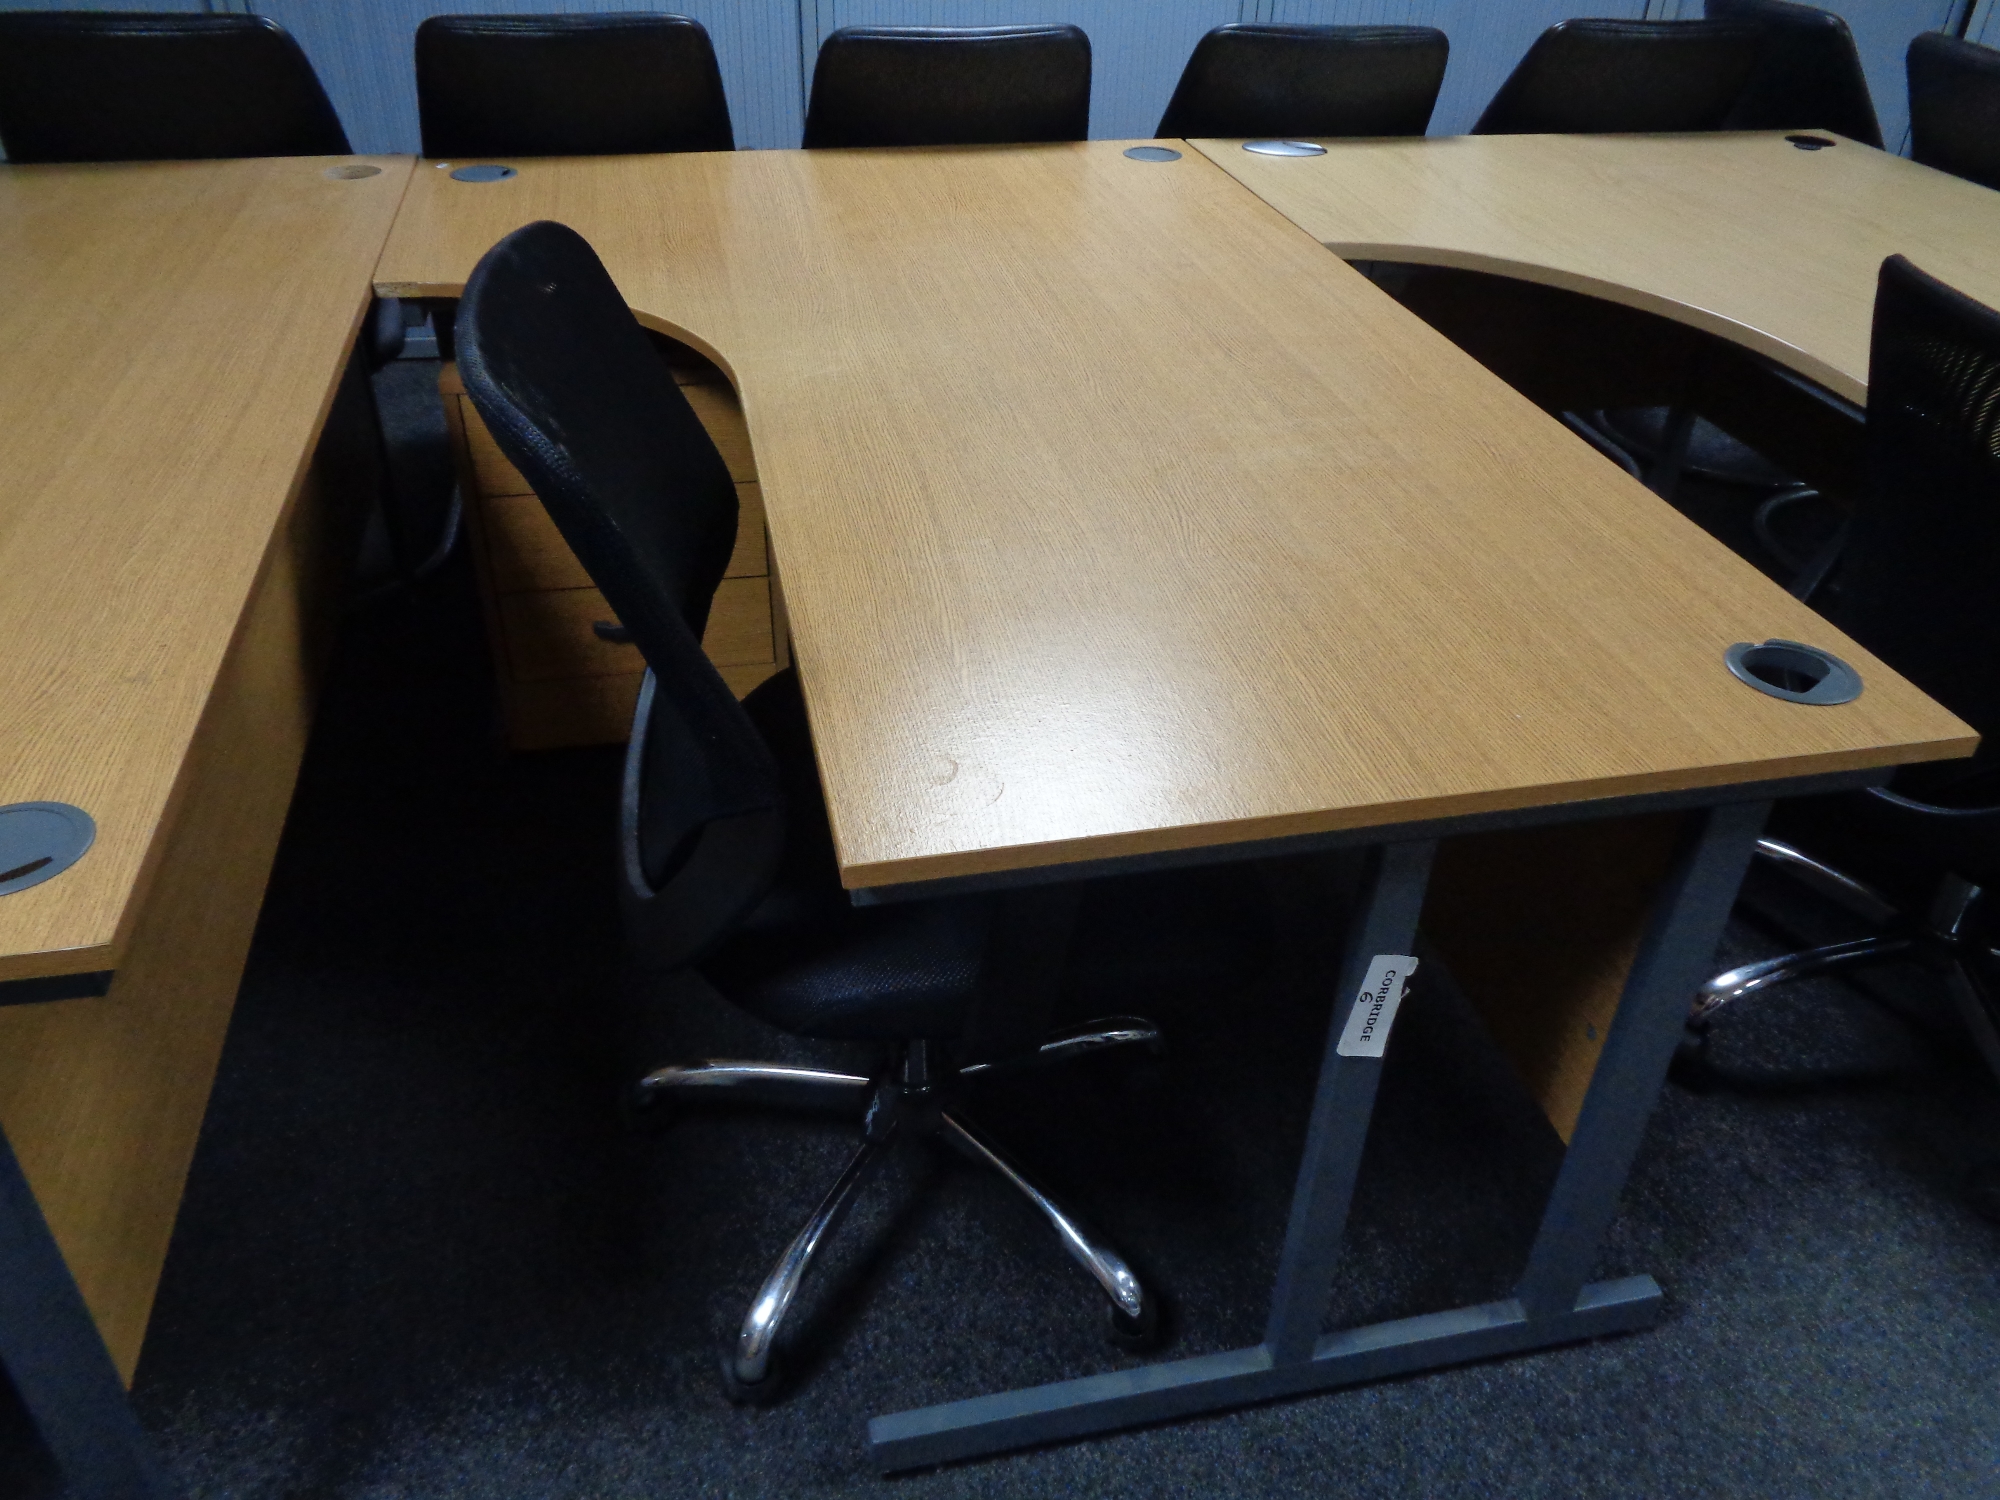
(1744, 236)
(173, 335)
(1116, 516)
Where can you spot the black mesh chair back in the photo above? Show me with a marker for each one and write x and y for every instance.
(569, 85)
(1919, 581)
(580, 402)
(1955, 107)
(104, 86)
(1808, 74)
(1605, 77)
(950, 86)
(1309, 81)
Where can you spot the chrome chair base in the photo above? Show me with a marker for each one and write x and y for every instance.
(1941, 939)
(911, 1101)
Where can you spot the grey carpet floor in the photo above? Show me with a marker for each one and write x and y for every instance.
(419, 1257)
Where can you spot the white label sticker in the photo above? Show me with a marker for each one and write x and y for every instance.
(1367, 1031)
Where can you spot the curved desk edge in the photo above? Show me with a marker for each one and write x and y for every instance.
(1640, 299)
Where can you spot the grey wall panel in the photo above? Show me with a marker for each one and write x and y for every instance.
(1138, 47)
(1882, 30)
(363, 49)
(1346, 12)
(177, 6)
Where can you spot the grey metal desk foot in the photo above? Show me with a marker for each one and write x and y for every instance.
(1217, 1382)
(50, 1350)
(1552, 1304)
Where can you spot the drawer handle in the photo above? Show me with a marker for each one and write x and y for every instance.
(612, 631)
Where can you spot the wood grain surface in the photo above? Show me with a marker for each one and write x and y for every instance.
(103, 1098)
(1540, 928)
(174, 334)
(1115, 516)
(1741, 235)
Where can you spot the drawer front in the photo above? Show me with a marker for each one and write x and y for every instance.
(566, 711)
(549, 634)
(715, 405)
(559, 683)
(490, 470)
(722, 415)
(526, 551)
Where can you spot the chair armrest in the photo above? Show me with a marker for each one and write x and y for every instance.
(1932, 809)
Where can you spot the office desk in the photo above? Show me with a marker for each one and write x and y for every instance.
(1744, 236)
(183, 440)
(1121, 525)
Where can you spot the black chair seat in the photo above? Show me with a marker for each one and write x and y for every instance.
(1604, 77)
(1309, 81)
(883, 973)
(568, 85)
(950, 86)
(810, 962)
(102, 86)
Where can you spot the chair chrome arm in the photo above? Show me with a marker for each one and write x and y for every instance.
(1932, 809)
(1747, 979)
(1863, 900)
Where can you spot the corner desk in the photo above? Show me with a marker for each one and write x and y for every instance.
(186, 445)
(1119, 525)
(1751, 237)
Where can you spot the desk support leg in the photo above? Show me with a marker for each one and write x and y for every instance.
(59, 1367)
(1384, 921)
(1679, 945)
(1552, 1305)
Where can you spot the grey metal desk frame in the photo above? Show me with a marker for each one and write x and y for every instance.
(1552, 1303)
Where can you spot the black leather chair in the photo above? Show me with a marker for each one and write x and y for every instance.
(569, 85)
(950, 86)
(1808, 77)
(1292, 81)
(1915, 584)
(1955, 107)
(81, 86)
(1808, 74)
(1604, 77)
(728, 871)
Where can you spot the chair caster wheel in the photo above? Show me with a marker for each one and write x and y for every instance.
(642, 1112)
(1138, 1335)
(1982, 1190)
(1691, 1067)
(751, 1392)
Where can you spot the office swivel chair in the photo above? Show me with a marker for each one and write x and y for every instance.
(1292, 81)
(950, 86)
(1955, 107)
(78, 86)
(1808, 74)
(728, 871)
(1808, 77)
(86, 86)
(568, 85)
(1602, 77)
(1915, 585)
